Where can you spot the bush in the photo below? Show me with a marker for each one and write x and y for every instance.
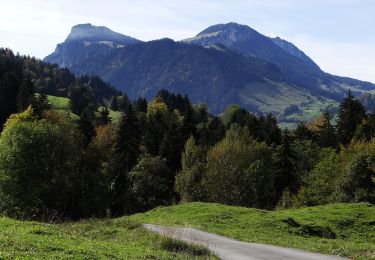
(239, 171)
(357, 183)
(47, 173)
(151, 185)
(321, 185)
(189, 180)
(38, 164)
(345, 177)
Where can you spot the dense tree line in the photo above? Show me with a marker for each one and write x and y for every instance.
(22, 76)
(55, 166)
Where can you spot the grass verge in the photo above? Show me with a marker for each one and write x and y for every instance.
(338, 229)
(90, 239)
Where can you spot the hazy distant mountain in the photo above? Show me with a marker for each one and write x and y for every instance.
(87, 35)
(224, 64)
(88, 32)
(293, 50)
(210, 75)
(249, 42)
(294, 63)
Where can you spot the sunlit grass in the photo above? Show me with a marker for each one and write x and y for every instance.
(339, 229)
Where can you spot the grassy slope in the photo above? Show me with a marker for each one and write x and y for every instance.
(353, 224)
(62, 104)
(59, 103)
(93, 239)
(275, 97)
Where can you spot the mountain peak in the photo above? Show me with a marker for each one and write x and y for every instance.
(89, 32)
(226, 34)
(227, 27)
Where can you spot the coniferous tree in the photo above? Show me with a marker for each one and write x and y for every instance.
(40, 103)
(9, 85)
(81, 97)
(123, 102)
(128, 139)
(211, 133)
(140, 105)
(366, 130)
(350, 115)
(157, 122)
(104, 118)
(326, 134)
(271, 131)
(86, 124)
(188, 125)
(302, 132)
(125, 158)
(285, 165)
(171, 148)
(25, 95)
(114, 103)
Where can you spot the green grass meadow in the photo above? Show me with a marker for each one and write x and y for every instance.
(338, 229)
(90, 239)
(62, 104)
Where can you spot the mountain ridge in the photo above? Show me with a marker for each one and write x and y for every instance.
(222, 65)
(90, 32)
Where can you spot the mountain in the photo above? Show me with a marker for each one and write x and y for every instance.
(87, 35)
(295, 64)
(249, 42)
(90, 33)
(210, 75)
(293, 50)
(224, 64)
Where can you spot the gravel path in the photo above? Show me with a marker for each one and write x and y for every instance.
(226, 248)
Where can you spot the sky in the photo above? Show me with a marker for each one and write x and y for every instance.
(339, 35)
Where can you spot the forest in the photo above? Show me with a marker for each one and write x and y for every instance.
(56, 166)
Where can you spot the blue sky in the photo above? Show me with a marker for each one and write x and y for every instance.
(338, 34)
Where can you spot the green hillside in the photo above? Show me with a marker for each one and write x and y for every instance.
(62, 104)
(91, 239)
(59, 103)
(340, 229)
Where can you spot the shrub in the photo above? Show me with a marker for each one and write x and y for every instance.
(38, 164)
(321, 184)
(151, 185)
(189, 180)
(239, 171)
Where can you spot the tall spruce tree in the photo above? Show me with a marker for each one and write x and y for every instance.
(9, 85)
(326, 134)
(86, 124)
(271, 133)
(285, 165)
(81, 97)
(114, 103)
(350, 115)
(140, 105)
(40, 103)
(25, 95)
(125, 158)
(103, 118)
